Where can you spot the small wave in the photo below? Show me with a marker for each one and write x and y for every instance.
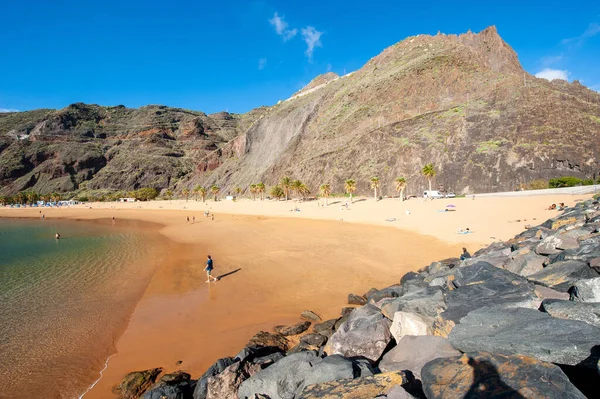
(99, 378)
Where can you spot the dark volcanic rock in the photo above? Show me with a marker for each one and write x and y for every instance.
(314, 339)
(202, 384)
(225, 385)
(426, 301)
(562, 275)
(293, 329)
(525, 262)
(389, 292)
(365, 333)
(326, 328)
(365, 387)
(268, 339)
(310, 315)
(354, 299)
(286, 378)
(347, 310)
(412, 353)
(528, 332)
(136, 383)
(588, 290)
(484, 375)
(588, 312)
(485, 285)
(176, 385)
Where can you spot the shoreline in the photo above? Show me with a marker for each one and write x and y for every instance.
(164, 293)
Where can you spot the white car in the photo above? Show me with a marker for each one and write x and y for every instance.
(432, 194)
(450, 195)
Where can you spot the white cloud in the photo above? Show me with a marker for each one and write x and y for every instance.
(592, 30)
(281, 27)
(551, 74)
(312, 37)
(262, 63)
(2, 110)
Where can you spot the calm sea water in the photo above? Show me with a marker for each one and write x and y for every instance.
(64, 302)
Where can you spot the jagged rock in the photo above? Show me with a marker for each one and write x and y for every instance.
(354, 299)
(562, 275)
(549, 293)
(347, 310)
(412, 353)
(267, 360)
(300, 347)
(136, 383)
(588, 290)
(267, 339)
(295, 329)
(364, 387)
(555, 244)
(342, 320)
(485, 285)
(406, 323)
(286, 378)
(436, 267)
(426, 301)
(389, 292)
(365, 333)
(408, 276)
(588, 312)
(220, 365)
(528, 332)
(225, 385)
(326, 328)
(310, 315)
(176, 385)
(525, 262)
(484, 375)
(314, 339)
(250, 353)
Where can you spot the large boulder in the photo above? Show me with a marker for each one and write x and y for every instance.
(359, 388)
(286, 378)
(220, 365)
(528, 332)
(267, 339)
(225, 385)
(390, 292)
(365, 333)
(406, 323)
(310, 315)
(136, 383)
(484, 375)
(555, 244)
(426, 301)
(413, 352)
(295, 329)
(525, 262)
(326, 328)
(562, 275)
(354, 299)
(588, 312)
(485, 285)
(588, 290)
(176, 385)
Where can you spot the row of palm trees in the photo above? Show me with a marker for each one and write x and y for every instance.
(28, 197)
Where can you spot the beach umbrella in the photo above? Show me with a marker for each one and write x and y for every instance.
(450, 206)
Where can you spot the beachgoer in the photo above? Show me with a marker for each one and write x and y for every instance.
(465, 254)
(57, 236)
(209, 269)
(188, 219)
(43, 216)
(193, 219)
(212, 216)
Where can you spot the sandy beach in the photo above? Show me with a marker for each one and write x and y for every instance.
(275, 262)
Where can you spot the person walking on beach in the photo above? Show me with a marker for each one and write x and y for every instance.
(188, 219)
(209, 269)
(193, 219)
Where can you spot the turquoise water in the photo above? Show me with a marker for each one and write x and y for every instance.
(64, 302)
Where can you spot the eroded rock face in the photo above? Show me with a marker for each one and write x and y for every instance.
(588, 290)
(582, 311)
(136, 383)
(225, 385)
(365, 387)
(477, 375)
(528, 332)
(562, 275)
(413, 352)
(365, 333)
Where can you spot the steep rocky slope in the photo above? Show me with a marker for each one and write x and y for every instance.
(461, 102)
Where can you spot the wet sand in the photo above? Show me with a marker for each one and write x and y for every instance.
(275, 267)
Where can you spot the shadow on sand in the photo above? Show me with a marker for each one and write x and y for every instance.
(228, 273)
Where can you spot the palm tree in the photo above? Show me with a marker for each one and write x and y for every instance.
(186, 193)
(260, 189)
(304, 190)
(215, 190)
(55, 197)
(202, 191)
(32, 197)
(375, 185)
(296, 186)
(325, 191)
(400, 186)
(197, 190)
(286, 185)
(350, 186)
(277, 192)
(429, 172)
(238, 191)
(253, 191)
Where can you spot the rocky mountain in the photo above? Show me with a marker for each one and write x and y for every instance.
(462, 102)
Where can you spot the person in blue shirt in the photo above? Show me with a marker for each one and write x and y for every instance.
(209, 269)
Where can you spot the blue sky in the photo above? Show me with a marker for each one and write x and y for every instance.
(237, 55)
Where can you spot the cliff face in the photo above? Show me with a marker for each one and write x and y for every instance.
(461, 102)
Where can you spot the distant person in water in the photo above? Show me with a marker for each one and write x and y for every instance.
(465, 254)
(57, 236)
(209, 269)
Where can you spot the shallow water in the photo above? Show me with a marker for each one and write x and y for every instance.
(63, 303)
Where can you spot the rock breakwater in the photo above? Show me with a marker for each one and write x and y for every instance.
(520, 319)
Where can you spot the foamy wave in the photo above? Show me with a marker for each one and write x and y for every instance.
(99, 378)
